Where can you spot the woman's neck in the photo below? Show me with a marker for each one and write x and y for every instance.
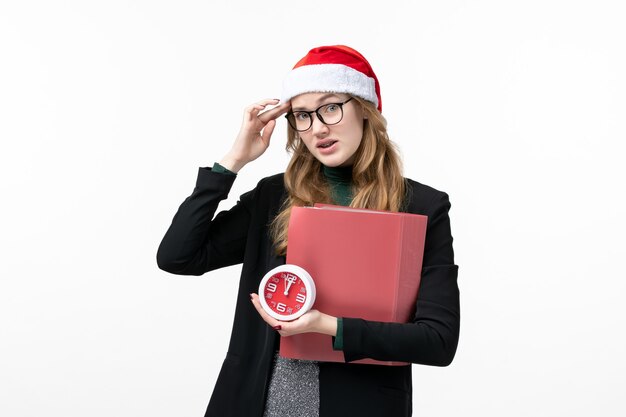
(340, 181)
(342, 175)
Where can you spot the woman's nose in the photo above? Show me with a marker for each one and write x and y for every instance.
(318, 128)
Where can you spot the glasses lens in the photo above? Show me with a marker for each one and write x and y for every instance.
(299, 120)
(331, 113)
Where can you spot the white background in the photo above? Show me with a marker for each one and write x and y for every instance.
(107, 109)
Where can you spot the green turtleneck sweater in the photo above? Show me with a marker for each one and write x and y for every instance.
(340, 180)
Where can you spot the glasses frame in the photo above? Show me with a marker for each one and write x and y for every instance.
(319, 116)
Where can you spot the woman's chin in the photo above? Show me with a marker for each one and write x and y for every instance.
(335, 161)
(331, 164)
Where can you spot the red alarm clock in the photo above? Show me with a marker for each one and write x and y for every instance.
(287, 292)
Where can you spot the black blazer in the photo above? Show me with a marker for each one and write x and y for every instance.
(196, 243)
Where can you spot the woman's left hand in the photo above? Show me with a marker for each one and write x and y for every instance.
(312, 321)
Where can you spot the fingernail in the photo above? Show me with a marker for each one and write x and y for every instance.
(277, 327)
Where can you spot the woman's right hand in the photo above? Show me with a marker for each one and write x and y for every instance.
(255, 133)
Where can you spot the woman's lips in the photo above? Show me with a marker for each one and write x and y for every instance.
(327, 147)
(326, 143)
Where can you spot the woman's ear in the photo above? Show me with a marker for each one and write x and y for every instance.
(363, 112)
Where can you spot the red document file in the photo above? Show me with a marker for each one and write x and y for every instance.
(365, 264)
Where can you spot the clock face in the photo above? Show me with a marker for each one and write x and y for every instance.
(287, 292)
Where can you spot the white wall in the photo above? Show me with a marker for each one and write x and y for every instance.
(516, 109)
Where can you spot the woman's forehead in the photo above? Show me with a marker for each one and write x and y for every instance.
(312, 100)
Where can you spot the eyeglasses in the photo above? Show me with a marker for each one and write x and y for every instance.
(329, 114)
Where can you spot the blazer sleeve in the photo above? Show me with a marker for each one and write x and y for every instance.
(195, 241)
(432, 337)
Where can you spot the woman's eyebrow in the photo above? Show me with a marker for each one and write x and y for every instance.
(320, 99)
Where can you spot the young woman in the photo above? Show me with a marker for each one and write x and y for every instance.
(341, 154)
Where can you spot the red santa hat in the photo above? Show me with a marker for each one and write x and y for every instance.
(333, 69)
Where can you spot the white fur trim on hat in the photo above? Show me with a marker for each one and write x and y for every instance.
(329, 78)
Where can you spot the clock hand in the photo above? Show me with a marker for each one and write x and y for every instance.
(290, 280)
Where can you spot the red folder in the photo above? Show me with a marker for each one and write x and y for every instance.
(365, 264)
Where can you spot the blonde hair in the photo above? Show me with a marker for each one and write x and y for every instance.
(376, 175)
